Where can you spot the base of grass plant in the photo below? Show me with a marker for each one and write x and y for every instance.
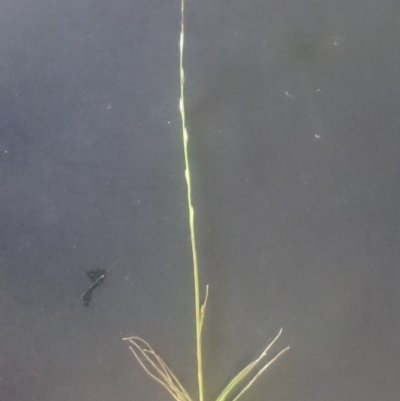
(152, 363)
(156, 368)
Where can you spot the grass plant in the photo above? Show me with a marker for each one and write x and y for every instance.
(149, 360)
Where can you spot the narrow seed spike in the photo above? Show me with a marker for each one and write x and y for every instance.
(151, 363)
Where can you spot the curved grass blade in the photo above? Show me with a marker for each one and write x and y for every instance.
(238, 379)
(156, 368)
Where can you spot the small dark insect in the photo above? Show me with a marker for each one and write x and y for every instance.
(97, 277)
(98, 274)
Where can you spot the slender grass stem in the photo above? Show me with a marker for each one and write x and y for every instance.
(198, 315)
(148, 359)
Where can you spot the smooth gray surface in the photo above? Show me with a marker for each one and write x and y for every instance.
(295, 148)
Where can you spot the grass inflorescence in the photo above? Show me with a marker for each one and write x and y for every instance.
(152, 363)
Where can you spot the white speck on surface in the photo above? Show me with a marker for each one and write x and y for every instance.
(318, 90)
(288, 94)
(167, 122)
(335, 41)
(6, 151)
(317, 136)
(109, 107)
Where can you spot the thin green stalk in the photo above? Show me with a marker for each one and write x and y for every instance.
(198, 312)
(148, 359)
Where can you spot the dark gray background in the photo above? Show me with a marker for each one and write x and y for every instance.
(293, 114)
